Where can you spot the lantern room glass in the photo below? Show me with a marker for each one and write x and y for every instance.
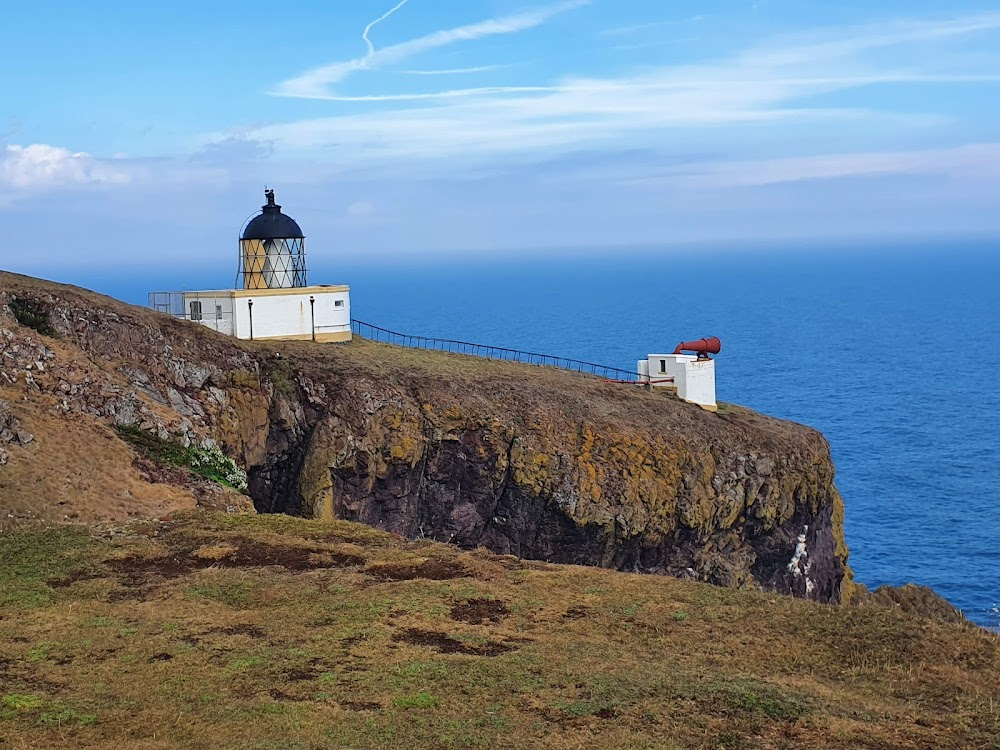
(278, 263)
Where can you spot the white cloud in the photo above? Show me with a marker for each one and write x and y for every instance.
(40, 166)
(315, 83)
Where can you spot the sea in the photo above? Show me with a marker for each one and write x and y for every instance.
(891, 350)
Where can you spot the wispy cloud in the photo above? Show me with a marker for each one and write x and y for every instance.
(315, 83)
(656, 43)
(235, 149)
(638, 27)
(453, 71)
(973, 161)
(376, 22)
(765, 83)
(432, 95)
(805, 48)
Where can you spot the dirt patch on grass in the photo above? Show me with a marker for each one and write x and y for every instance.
(140, 571)
(360, 706)
(301, 675)
(22, 676)
(445, 644)
(292, 558)
(250, 631)
(282, 696)
(576, 714)
(478, 611)
(575, 613)
(126, 595)
(433, 570)
(83, 575)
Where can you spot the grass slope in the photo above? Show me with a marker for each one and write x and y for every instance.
(213, 631)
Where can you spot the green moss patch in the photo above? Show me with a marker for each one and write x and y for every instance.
(210, 463)
(31, 313)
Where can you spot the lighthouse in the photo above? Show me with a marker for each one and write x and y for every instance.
(273, 298)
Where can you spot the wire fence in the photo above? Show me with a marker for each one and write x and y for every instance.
(384, 335)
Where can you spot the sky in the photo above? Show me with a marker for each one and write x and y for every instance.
(143, 134)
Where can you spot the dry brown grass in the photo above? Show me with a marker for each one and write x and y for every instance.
(79, 469)
(214, 631)
(442, 372)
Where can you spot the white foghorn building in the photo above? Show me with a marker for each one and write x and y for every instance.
(274, 300)
(691, 376)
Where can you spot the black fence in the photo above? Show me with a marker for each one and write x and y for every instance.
(375, 333)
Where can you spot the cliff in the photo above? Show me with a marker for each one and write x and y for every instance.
(521, 460)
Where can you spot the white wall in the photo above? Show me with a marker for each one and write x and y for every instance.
(287, 315)
(329, 317)
(700, 382)
(693, 379)
(216, 310)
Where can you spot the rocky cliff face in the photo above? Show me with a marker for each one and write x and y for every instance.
(519, 459)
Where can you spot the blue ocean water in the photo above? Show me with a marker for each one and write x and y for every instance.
(894, 354)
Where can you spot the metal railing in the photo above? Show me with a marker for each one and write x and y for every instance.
(384, 335)
(171, 303)
(201, 308)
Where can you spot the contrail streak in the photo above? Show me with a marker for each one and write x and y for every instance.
(376, 22)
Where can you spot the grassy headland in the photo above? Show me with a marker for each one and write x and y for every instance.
(215, 631)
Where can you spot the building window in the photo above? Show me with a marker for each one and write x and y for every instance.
(195, 308)
(663, 365)
(339, 303)
(218, 312)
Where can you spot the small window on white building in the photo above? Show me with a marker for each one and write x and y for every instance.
(195, 308)
(338, 303)
(218, 312)
(663, 365)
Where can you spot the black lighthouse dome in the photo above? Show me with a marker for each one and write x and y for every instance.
(271, 224)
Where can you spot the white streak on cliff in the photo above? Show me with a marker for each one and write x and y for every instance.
(800, 552)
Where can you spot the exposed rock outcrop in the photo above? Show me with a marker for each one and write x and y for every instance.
(910, 598)
(11, 431)
(522, 460)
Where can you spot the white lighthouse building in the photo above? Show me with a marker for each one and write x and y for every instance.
(274, 299)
